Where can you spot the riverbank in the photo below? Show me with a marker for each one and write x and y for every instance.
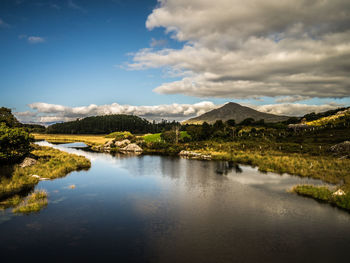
(307, 160)
(50, 164)
(91, 140)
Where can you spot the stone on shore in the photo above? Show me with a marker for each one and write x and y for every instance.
(122, 143)
(340, 192)
(194, 155)
(27, 162)
(133, 147)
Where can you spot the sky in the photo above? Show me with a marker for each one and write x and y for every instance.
(172, 59)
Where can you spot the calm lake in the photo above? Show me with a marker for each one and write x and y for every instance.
(166, 209)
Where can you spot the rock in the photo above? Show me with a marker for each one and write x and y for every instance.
(36, 176)
(132, 148)
(340, 192)
(194, 155)
(343, 147)
(122, 143)
(27, 162)
(109, 144)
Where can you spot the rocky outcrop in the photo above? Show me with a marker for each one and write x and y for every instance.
(343, 147)
(340, 192)
(132, 147)
(27, 162)
(194, 155)
(122, 143)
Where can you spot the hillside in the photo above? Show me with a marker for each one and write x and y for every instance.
(340, 117)
(107, 124)
(236, 112)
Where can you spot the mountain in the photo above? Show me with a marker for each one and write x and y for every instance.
(236, 112)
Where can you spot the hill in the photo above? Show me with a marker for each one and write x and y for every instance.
(336, 117)
(107, 124)
(236, 112)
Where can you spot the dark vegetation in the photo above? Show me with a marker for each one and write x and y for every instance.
(14, 139)
(17, 182)
(108, 124)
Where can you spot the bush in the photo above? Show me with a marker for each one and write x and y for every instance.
(14, 143)
(120, 135)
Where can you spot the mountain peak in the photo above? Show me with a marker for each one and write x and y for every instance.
(235, 111)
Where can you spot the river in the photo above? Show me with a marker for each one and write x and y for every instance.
(168, 209)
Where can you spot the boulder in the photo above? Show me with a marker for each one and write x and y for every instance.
(343, 147)
(109, 144)
(27, 162)
(194, 155)
(340, 192)
(122, 143)
(132, 148)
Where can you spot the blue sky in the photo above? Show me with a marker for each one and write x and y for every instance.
(76, 53)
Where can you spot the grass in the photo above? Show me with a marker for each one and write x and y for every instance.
(51, 164)
(11, 202)
(324, 194)
(152, 137)
(33, 203)
(120, 135)
(156, 137)
(326, 168)
(91, 140)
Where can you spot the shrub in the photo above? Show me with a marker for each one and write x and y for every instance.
(14, 143)
(120, 135)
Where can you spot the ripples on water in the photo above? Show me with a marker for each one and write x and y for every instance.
(164, 209)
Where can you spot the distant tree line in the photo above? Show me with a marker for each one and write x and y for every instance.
(110, 123)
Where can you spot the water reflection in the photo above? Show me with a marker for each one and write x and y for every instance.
(166, 209)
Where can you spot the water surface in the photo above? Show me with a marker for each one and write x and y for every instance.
(164, 209)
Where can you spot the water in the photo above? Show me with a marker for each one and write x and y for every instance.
(163, 209)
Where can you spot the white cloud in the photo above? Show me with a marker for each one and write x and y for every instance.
(295, 109)
(35, 39)
(245, 49)
(45, 112)
(158, 42)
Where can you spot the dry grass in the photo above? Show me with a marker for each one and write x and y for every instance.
(33, 203)
(51, 164)
(91, 140)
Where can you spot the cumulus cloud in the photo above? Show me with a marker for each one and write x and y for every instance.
(32, 39)
(158, 42)
(47, 113)
(295, 109)
(245, 49)
(35, 39)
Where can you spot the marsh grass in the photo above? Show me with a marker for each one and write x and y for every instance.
(33, 203)
(10, 202)
(324, 194)
(324, 167)
(51, 163)
(91, 140)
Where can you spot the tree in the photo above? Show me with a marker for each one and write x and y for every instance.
(14, 143)
(247, 121)
(169, 136)
(7, 117)
(231, 123)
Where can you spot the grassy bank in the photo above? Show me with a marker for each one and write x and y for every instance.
(51, 164)
(91, 140)
(324, 194)
(32, 203)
